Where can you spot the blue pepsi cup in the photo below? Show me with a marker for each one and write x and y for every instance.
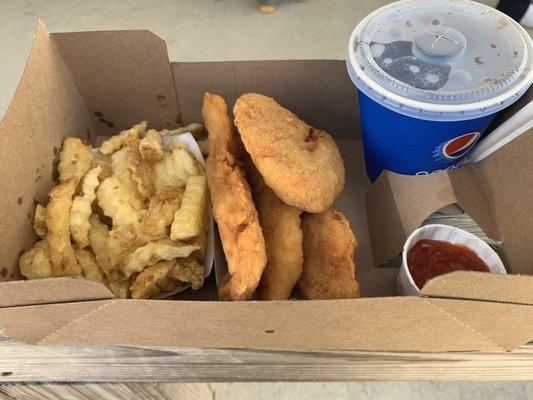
(431, 76)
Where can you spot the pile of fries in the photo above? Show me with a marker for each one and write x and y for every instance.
(131, 214)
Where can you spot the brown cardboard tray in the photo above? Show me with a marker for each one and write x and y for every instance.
(95, 83)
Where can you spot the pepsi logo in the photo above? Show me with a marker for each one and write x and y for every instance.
(459, 146)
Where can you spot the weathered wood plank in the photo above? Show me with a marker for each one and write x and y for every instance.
(24, 363)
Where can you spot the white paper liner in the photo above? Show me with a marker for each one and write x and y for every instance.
(405, 282)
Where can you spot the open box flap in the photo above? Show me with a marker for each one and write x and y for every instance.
(507, 179)
(128, 78)
(53, 290)
(396, 324)
(471, 285)
(495, 192)
(427, 325)
(46, 107)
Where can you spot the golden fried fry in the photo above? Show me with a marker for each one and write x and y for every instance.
(199, 255)
(121, 241)
(145, 285)
(98, 234)
(75, 159)
(153, 252)
(57, 220)
(135, 175)
(151, 146)
(127, 137)
(89, 267)
(188, 270)
(81, 210)
(35, 263)
(170, 284)
(121, 289)
(104, 161)
(117, 202)
(197, 130)
(161, 210)
(39, 223)
(176, 167)
(190, 219)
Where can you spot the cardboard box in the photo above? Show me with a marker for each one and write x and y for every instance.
(93, 83)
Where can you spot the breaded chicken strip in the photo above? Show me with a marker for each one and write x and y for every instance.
(329, 268)
(233, 207)
(300, 163)
(283, 238)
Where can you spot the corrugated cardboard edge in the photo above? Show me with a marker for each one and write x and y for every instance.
(397, 204)
(49, 291)
(512, 289)
(427, 324)
(94, 59)
(46, 107)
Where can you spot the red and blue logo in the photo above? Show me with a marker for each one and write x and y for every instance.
(456, 148)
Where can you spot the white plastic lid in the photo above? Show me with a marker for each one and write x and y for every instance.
(441, 59)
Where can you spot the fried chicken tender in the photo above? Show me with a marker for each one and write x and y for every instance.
(328, 269)
(300, 163)
(62, 256)
(75, 159)
(233, 207)
(283, 240)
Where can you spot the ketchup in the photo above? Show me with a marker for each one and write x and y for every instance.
(429, 258)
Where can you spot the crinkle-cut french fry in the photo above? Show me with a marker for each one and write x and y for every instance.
(126, 137)
(35, 263)
(57, 220)
(145, 285)
(98, 234)
(89, 267)
(189, 220)
(104, 161)
(197, 130)
(75, 159)
(81, 210)
(136, 175)
(188, 270)
(176, 167)
(151, 146)
(39, 223)
(117, 202)
(153, 252)
(161, 209)
(121, 241)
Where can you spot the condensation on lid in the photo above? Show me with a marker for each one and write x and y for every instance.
(442, 51)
